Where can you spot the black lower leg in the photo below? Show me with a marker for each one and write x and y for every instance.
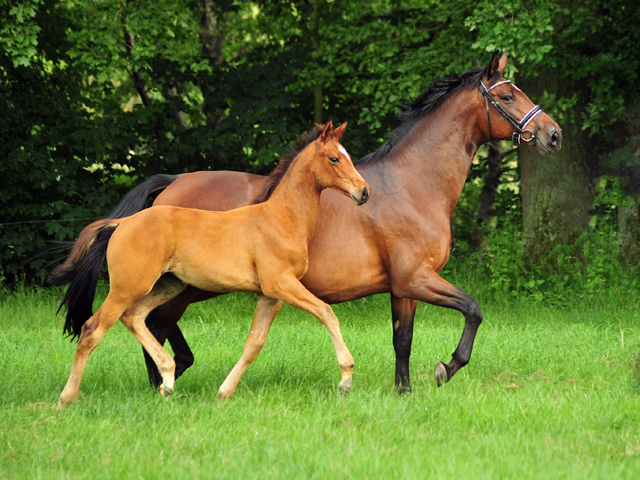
(462, 354)
(183, 354)
(402, 316)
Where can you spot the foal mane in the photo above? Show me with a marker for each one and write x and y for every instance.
(424, 104)
(275, 177)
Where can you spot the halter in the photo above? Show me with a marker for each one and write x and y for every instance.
(518, 135)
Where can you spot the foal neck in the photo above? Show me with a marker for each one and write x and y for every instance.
(297, 195)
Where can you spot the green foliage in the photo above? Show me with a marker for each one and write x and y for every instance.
(582, 273)
(99, 95)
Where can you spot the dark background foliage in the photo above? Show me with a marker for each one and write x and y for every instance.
(97, 96)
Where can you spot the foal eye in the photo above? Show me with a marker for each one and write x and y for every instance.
(334, 160)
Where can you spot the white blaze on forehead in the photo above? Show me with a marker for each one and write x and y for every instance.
(344, 151)
(346, 154)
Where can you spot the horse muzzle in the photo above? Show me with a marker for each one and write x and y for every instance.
(549, 140)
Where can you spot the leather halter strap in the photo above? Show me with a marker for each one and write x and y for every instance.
(518, 135)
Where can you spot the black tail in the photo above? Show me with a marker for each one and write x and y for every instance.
(136, 199)
(82, 271)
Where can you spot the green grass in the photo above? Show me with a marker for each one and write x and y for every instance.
(549, 393)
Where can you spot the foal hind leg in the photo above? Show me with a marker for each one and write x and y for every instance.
(166, 288)
(263, 317)
(427, 286)
(291, 291)
(92, 333)
(403, 311)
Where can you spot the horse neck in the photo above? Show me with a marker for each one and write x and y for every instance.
(297, 195)
(433, 159)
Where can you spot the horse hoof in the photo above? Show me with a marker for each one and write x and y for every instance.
(441, 374)
(403, 390)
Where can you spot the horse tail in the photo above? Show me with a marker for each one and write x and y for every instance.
(136, 199)
(81, 270)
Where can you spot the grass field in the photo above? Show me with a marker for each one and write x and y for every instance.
(549, 393)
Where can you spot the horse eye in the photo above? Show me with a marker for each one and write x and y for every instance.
(334, 160)
(507, 98)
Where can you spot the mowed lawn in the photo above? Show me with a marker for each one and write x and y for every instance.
(549, 393)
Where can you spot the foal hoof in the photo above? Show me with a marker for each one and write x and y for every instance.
(344, 386)
(441, 374)
(165, 392)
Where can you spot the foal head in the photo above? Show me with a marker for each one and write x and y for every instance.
(333, 168)
(511, 115)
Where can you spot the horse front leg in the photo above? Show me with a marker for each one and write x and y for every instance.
(403, 311)
(427, 286)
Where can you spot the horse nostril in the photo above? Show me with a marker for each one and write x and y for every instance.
(365, 194)
(554, 138)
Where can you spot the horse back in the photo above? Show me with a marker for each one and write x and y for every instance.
(216, 190)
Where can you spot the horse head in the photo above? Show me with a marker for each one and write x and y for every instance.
(534, 127)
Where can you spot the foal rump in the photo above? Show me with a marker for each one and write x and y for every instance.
(81, 270)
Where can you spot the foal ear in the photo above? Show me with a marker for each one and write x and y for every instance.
(493, 71)
(337, 133)
(326, 131)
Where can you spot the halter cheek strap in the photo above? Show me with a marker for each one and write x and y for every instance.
(518, 135)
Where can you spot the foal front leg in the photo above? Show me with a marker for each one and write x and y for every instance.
(291, 291)
(263, 317)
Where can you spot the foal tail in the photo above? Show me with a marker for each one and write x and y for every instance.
(136, 199)
(81, 271)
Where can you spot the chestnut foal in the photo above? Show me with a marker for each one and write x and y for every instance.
(263, 249)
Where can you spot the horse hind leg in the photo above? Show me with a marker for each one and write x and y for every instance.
(263, 317)
(92, 333)
(166, 288)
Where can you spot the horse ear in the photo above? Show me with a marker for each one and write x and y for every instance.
(494, 66)
(503, 62)
(337, 133)
(326, 131)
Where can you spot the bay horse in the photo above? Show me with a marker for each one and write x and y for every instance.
(153, 255)
(399, 241)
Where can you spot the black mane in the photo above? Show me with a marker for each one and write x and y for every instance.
(285, 162)
(426, 103)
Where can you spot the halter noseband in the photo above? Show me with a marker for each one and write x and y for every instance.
(518, 135)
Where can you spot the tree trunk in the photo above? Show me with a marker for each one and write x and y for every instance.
(558, 190)
(314, 27)
(629, 230)
(212, 39)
